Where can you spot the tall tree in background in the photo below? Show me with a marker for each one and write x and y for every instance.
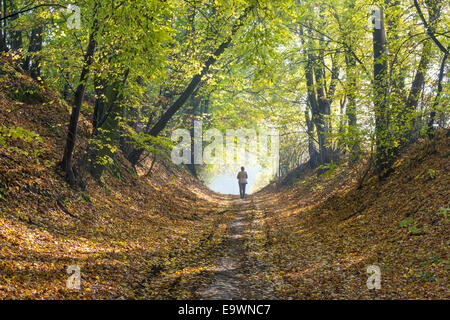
(320, 94)
(380, 72)
(32, 61)
(15, 36)
(67, 161)
(3, 46)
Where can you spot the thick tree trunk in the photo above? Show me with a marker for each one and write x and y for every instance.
(32, 61)
(380, 92)
(323, 110)
(325, 98)
(36, 37)
(15, 36)
(397, 73)
(314, 157)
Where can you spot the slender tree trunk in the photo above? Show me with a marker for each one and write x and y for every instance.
(314, 160)
(150, 170)
(3, 46)
(196, 105)
(434, 7)
(350, 109)
(408, 120)
(438, 95)
(67, 164)
(162, 122)
(100, 102)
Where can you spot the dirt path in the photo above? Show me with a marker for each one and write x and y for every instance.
(239, 270)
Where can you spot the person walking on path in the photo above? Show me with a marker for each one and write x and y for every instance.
(242, 179)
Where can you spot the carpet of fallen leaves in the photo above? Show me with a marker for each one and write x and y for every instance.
(132, 236)
(160, 237)
(322, 232)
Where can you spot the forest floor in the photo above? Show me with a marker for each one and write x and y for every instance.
(316, 238)
(237, 263)
(325, 231)
(167, 236)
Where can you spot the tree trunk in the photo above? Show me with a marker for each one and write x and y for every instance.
(314, 160)
(35, 69)
(380, 92)
(32, 62)
(438, 95)
(15, 36)
(434, 7)
(312, 105)
(67, 164)
(325, 98)
(323, 108)
(350, 110)
(408, 120)
(193, 113)
(3, 46)
(107, 119)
